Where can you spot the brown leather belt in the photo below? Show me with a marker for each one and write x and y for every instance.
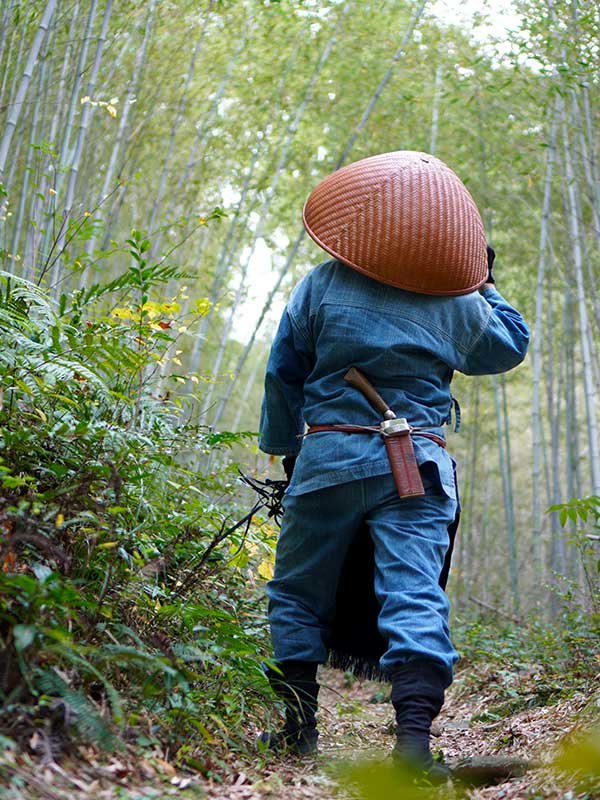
(400, 452)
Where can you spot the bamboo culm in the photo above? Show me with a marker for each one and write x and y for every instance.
(575, 234)
(536, 358)
(17, 102)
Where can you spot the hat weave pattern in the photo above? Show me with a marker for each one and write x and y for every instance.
(403, 218)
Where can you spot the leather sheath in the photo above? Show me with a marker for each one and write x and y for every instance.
(400, 451)
(404, 465)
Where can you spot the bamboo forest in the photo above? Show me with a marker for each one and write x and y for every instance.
(155, 639)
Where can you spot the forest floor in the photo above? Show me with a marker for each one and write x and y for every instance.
(356, 725)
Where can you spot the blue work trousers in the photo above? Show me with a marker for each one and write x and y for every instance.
(410, 539)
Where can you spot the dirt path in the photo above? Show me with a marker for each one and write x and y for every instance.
(356, 724)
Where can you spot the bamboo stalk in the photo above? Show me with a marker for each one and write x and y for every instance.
(38, 200)
(572, 188)
(4, 26)
(177, 122)
(86, 111)
(536, 358)
(220, 272)
(24, 190)
(505, 472)
(571, 412)
(176, 197)
(50, 243)
(17, 104)
(132, 88)
(553, 403)
(247, 391)
(435, 113)
(234, 232)
(466, 553)
(398, 55)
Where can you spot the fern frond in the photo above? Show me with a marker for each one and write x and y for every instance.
(86, 718)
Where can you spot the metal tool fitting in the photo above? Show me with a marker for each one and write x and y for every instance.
(391, 426)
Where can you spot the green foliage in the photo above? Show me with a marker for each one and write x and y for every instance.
(119, 599)
(530, 664)
(580, 518)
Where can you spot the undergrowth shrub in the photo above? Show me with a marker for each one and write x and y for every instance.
(561, 654)
(125, 610)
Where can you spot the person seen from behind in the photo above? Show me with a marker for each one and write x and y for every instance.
(408, 298)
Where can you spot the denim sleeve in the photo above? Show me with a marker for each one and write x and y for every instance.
(290, 362)
(502, 343)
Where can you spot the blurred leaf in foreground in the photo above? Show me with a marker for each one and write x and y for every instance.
(581, 759)
(379, 780)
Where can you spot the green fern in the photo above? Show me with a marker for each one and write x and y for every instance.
(86, 718)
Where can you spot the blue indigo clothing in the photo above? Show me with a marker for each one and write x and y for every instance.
(407, 344)
(410, 538)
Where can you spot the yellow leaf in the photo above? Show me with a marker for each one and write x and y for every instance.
(204, 731)
(151, 308)
(202, 306)
(265, 570)
(123, 313)
(60, 519)
(194, 379)
(176, 361)
(107, 545)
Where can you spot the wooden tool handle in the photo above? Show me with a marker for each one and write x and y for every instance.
(361, 382)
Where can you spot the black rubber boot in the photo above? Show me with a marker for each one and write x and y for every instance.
(417, 697)
(297, 686)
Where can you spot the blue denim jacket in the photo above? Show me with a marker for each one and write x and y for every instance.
(407, 344)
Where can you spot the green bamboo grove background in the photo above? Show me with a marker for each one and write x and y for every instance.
(205, 125)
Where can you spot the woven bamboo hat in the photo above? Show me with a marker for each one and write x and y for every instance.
(403, 218)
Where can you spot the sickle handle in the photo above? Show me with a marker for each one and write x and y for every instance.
(356, 378)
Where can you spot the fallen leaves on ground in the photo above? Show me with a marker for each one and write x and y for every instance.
(356, 725)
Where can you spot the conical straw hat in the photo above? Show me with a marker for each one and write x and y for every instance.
(403, 218)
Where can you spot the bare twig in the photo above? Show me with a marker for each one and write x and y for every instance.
(498, 611)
